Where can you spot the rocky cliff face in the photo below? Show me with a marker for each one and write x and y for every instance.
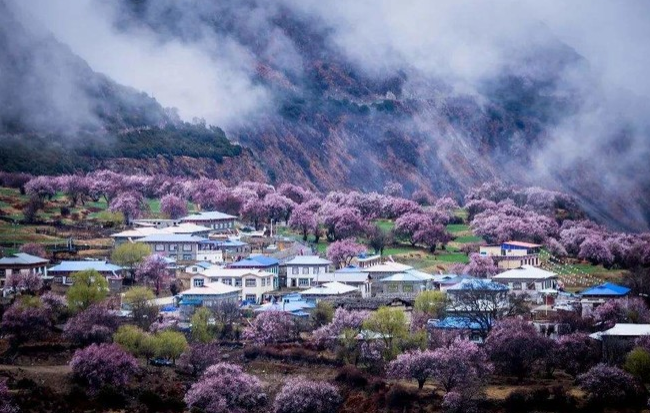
(335, 125)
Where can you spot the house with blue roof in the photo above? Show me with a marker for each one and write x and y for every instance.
(465, 327)
(599, 294)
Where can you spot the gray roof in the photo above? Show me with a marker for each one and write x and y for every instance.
(308, 260)
(76, 266)
(208, 216)
(171, 238)
(21, 258)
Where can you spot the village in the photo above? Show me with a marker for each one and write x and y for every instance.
(209, 287)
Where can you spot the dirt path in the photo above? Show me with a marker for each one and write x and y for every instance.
(56, 377)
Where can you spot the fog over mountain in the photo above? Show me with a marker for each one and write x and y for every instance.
(439, 95)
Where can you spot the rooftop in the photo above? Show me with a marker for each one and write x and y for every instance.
(477, 284)
(330, 288)
(21, 258)
(137, 232)
(606, 289)
(76, 266)
(233, 272)
(388, 267)
(404, 277)
(624, 330)
(171, 238)
(184, 228)
(308, 260)
(255, 261)
(345, 277)
(208, 216)
(526, 272)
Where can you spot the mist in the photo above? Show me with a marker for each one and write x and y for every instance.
(206, 58)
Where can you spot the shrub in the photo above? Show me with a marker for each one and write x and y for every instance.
(399, 397)
(271, 327)
(225, 388)
(300, 395)
(103, 364)
(608, 385)
(637, 363)
(6, 404)
(93, 325)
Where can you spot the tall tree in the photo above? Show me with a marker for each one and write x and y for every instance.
(88, 287)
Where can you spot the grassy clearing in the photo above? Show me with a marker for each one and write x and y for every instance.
(458, 228)
(385, 224)
(20, 234)
(467, 239)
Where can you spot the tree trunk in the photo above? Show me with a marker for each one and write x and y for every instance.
(421, 383)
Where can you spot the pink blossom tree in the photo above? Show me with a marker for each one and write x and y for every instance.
(431, 235)
(153, 271)
(396, 207)
(299, 395)
(554, 248)
(343, 222)
(514, 346)
(418, 365)
(278, 207)
(103, 364)
(295, 193)
(76, 187)
(259, 188)
(343, 320)
(577, 353)
(26, 319)
(225, 388)
(173, 206)
(422, 197)
(369, 205)
(609, 385)
(408, 224)
(28, 283)
(343, 251)
(94, 324)
(33, 248)
(303, 220)
(446, 204)
(595, 250)
(199, 356)
(130, 204)
(271, 327)
(631, 310)
(42, 187)
(462, 366)
(481, 266)
(254, 211)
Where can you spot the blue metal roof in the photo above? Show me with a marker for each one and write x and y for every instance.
(76, 266)
(349, 268)
(607, 289)
(259, 261)
(453, 323)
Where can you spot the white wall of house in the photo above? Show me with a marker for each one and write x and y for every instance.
(302, 276)
(253, 287)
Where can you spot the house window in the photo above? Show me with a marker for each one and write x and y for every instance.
(392, 288)
(251, 282)
(187, 257)
(305, 270)
(160, 247)
(516, 286)
(187, 247)
(198, 282)
(407, 288)
(227, 281)
(251, 297)
(316, 270)
(294, 270)
(173, 247)
(173, 256)
(237, 282)
(263, 282)
(303, 282)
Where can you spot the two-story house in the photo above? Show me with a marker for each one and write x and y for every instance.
(260, 262)
(180, 247)
(302, 270)
(62, 273)
(527, 279)
(253, 283)
(220, 251)
(513, 254)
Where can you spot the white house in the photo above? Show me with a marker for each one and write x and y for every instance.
(252, 283)
(305, 269)
(210, 294)
(527, 279)
(21, 263)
